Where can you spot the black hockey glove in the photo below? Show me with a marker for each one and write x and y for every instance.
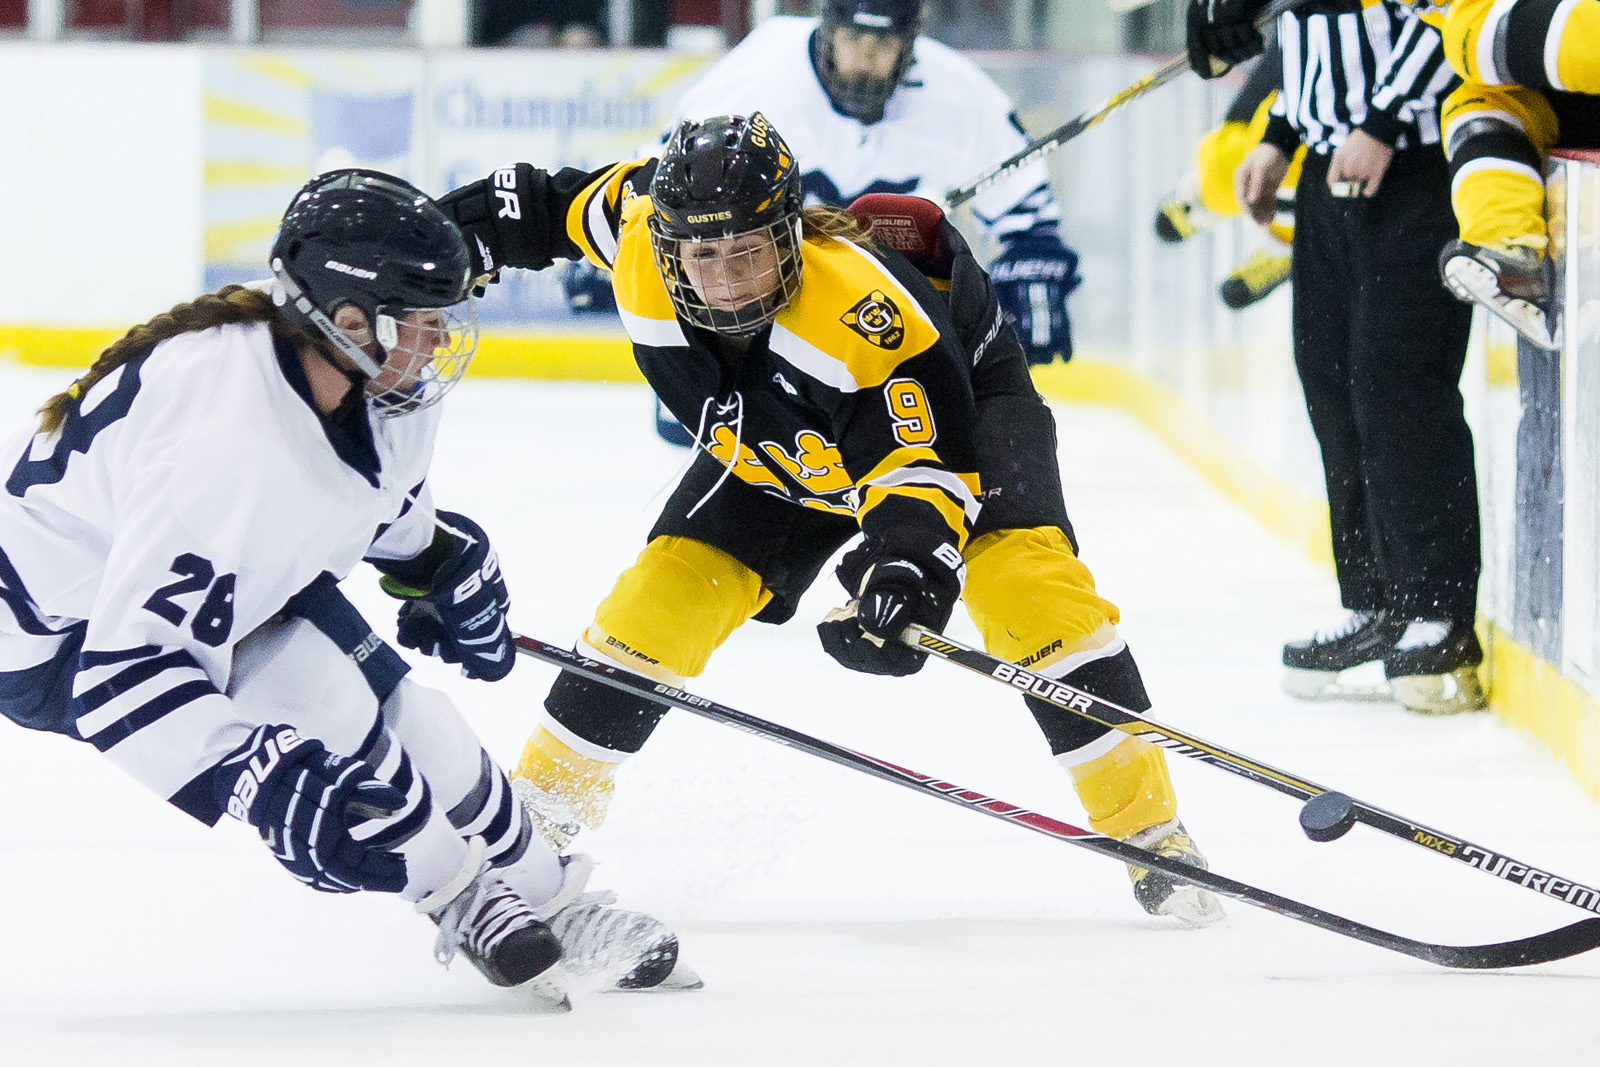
(459, 615)
(1032, 279)
(588, 289)
(1222, 33)
(892, 590)
(503, 218)
(304, 801)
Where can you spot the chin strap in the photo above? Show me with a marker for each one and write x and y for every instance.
(291, 291)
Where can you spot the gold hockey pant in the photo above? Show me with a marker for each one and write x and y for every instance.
(1540, 44)
(1218, 158)
(1031, 597)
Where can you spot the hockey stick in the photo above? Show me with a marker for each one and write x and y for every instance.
(1327, 814)
(1043, 146)
(1555, 944)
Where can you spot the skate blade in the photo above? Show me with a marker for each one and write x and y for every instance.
(546, 992)
(1475, 283)
(1193, 906)
(1441, 694)
(1328, 685)
(681, 980)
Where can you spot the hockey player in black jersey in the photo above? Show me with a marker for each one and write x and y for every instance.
(833, 389)
(869, 105)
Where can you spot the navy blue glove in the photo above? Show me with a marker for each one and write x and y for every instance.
(894, 588)
(304, 801)
(1032, 278)
(460, 616)
(587, 288)
(1222, 33)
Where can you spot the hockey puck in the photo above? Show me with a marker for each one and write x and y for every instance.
(1328, 816)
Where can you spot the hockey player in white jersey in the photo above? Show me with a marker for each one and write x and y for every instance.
(868, 106)
(171, 536)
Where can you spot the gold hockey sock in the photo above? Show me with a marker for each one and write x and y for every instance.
(1125, 790)
(585, 783)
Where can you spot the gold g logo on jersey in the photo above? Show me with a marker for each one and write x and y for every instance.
(877, 319)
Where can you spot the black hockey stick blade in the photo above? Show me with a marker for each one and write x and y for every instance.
(1326, 816)
(1540, 948)
(1043, 146)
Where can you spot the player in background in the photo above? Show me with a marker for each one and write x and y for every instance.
(1205, 195)
(172, 532)
(1530, 70)
(868, 106)
(833, 390)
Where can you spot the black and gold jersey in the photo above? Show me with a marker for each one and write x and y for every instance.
(857, 400)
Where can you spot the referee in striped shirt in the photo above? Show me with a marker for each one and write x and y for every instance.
(1379, 345)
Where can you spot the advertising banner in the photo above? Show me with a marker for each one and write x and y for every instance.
(553, 109)
(273, 119)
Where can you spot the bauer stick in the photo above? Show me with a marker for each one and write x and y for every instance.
(1557, 944)
(1043, 146)
(1326, 816)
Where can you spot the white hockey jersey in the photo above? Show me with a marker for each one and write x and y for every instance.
(188, 497)
(946, 123)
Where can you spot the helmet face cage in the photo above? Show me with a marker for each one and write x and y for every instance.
(725, 232)
(864, 99)
(745, 278)
(426, 351)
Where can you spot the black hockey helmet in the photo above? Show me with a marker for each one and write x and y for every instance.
(727, 194)
(864, 99)
(368, 239)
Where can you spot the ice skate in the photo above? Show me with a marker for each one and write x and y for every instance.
(1180, 216)
(485, 920)
(553, 818)
(1254, 279)
(1158, 892)
(616, 949)
(1314, 669)
(1512, 281)
(1433, 668)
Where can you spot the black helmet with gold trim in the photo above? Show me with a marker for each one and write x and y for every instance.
(727, 200)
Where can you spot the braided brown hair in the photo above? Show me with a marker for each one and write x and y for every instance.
(231, 303)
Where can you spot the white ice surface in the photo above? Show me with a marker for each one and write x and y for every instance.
(835, 919)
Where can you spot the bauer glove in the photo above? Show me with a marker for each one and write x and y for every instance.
(1032, 279)
(503, 219)
(1222, 33)
(893, 588)
(305, 802)
(459, 614)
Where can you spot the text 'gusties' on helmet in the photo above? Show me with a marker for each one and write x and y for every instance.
(374, 241)
(864, 98)
(721, 178)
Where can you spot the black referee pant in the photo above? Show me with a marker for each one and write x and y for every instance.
(1379, 346)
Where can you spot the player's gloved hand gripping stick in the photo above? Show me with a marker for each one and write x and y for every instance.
(1326, 815)
(1040, 147)
(1555, 944)
(457, 611)
(892, 586)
